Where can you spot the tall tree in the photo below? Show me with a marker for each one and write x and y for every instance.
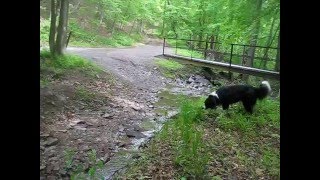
(255, 33)
(53, 25)
(58, 36)
(62, 28)
(277, 67)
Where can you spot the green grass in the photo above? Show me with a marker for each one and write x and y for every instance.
(169, 64)
(77, 170)
(189, 53)
(169, 68)
(61, 64)
(266, 113)
(84, 94)
(68, 158)
(44, 32)
(271, 161)
(191, 145)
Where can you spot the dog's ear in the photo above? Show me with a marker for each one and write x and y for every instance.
(210, 102)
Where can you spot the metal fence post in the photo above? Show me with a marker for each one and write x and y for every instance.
(164, 43)
(230, 60)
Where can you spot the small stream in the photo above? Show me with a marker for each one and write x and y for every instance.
(166, 107)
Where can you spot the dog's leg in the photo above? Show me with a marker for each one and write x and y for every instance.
(225, 106)
(248, 106)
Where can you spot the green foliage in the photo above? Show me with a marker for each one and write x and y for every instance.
(271, 161)
(78, 172)
(265, 113)
(169, 68)
(44, 31)
(189, 53)
(84, 94)
(60, 64)
(169, 64)
(68, 157)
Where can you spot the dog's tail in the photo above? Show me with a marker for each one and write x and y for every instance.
(264, 90)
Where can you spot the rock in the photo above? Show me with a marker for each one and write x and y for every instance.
(51, 178)
(80, 128)
(44, 135)
(77, 122)
(84, 148)
(112, 147)
(42, 148)
(135, 134)
(56, 167)
(42, 168)
(63, 172)
(122, 144)
(105, 158)
(42, 178)
(51, 141)
(259, 172)
(121, 128)
(64, 131)
(275, 136)
(106, 115)
(136, 108)
(61, 98)
(137, 128)
(151, 106)
(190, 80)
(53, 159)
(136, 156)
(172, 114)
(49, 169)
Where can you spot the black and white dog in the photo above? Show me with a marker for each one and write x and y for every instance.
(247, 94)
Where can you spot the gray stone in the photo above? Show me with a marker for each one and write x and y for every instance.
(106, 115)
(135, 134)
(51, 141)
(44, 135)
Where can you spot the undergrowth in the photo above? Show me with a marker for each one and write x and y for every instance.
(84, 38)
(61, 64)
(214, 144)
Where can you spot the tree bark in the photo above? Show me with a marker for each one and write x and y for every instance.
(255, 34)
(62, 28)
(277, 67)
(53, 27)
(269, 43)
(254, 38)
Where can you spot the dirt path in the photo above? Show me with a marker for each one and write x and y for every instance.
(110, 126)
(134, 65)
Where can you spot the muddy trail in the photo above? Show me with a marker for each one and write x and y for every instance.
(119, 121)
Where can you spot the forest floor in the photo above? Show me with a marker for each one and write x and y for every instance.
(87, 116)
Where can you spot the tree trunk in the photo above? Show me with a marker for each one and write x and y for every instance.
(269, 43)
(113, 25)
(255, 34)
(53, 27)
(277, 67)
(254, 37)
(62, 28)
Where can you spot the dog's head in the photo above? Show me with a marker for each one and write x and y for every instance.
(211, 102)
